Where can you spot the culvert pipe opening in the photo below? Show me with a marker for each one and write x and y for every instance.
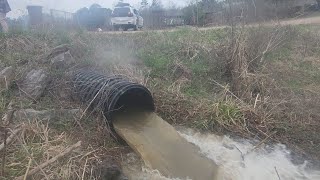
(112, 94)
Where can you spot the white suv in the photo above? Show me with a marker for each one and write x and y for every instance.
(126, 17)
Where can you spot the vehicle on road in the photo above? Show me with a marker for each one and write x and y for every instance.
(126, 17)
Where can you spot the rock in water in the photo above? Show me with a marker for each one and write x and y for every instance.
(6, 77)
(109, 169)
(35, 83)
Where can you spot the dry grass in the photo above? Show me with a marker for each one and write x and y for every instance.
(261, 82)
(243, 85)
(39, 141)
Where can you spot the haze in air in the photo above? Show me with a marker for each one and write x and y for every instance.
(19, 6)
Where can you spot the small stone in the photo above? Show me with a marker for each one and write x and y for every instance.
(51, 115)
(58, 62)
(30, 114)
(58, 50)
(7, 76)
(62, 61)
(61, 49)
(35, 83)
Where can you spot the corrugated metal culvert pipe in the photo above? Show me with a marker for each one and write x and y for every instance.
(113, 94)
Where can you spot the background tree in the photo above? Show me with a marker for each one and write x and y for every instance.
(195, 12)
(93, 17)
(156, 4)
(144, 3)
(94, 7)
(82, 16)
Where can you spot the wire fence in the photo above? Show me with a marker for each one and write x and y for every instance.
(162, 19)
(59, 16)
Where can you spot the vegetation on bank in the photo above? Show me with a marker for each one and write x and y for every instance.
(252, 82)
(257, 82)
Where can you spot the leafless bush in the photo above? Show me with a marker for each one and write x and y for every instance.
(246, 53)
(239, 11)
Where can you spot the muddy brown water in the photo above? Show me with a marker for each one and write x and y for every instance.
(162, 148)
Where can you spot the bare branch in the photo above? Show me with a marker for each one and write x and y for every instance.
(10, 138)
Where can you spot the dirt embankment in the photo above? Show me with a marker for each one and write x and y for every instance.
(44, 132)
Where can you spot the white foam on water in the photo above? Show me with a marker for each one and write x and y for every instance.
(238, 160)
(135, 170)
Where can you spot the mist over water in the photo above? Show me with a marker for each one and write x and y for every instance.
(237, 159)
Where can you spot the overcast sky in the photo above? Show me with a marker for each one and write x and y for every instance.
(19, 6)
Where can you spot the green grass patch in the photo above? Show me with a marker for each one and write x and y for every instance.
(225, 114)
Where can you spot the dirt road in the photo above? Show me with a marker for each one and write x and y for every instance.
(308, 20)
(298, 21)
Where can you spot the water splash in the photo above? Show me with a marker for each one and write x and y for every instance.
(237, 159)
